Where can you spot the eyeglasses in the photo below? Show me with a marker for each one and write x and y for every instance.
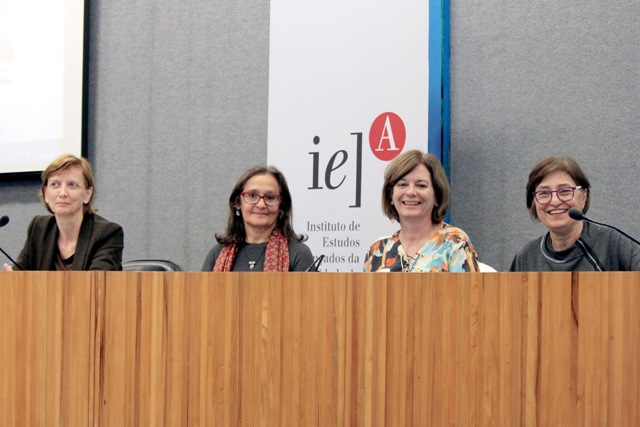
(564, 194)
(252, 198)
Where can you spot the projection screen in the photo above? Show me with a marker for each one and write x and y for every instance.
(42, 45)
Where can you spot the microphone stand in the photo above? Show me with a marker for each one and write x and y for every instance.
(10, 259)
(578, 215)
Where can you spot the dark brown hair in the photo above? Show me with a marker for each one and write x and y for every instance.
(555, 164)
(235, 232)
(405, 163)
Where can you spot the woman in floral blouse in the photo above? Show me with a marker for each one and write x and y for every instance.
(416, 194)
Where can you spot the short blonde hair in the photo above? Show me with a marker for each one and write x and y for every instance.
(61, 163)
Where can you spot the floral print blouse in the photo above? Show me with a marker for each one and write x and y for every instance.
(448, 250)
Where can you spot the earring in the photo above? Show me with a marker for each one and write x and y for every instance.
(237, 212)
(391, 203)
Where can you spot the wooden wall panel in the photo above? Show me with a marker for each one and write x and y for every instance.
(145, 356)
(352, 349)
(214, 387)
(608, 381)
(45, 348)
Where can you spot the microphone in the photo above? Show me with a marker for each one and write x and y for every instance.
(315, 265)
(578, 216)
(4, 220)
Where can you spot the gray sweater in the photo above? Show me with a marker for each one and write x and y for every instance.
(598, 249)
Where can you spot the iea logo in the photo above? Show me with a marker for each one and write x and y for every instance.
(387, 136)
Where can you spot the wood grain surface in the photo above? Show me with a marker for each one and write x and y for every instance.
(319, 349)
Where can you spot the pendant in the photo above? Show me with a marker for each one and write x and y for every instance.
(252, 264)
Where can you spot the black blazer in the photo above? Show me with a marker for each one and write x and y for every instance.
(99, 247)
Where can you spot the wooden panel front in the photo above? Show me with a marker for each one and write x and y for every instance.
(129, 349)
(46, 367)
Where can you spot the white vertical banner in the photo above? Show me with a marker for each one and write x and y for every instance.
(348, 92)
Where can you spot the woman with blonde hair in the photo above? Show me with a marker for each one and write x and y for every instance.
(74, 237)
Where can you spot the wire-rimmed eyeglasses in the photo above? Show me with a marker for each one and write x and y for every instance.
(252, 198)
(564, 194)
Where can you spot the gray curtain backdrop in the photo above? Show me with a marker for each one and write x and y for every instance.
(178, 96)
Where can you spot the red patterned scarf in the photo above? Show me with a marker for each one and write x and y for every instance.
(276, 257)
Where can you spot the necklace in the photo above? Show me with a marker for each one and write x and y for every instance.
(410, 264)
(252, 264)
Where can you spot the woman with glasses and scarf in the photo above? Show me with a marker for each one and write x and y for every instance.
(555, 186)
(259, 234)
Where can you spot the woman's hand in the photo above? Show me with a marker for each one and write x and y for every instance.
(6, 267)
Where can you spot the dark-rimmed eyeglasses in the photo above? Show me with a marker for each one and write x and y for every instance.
(252, 198)
(564, 194)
